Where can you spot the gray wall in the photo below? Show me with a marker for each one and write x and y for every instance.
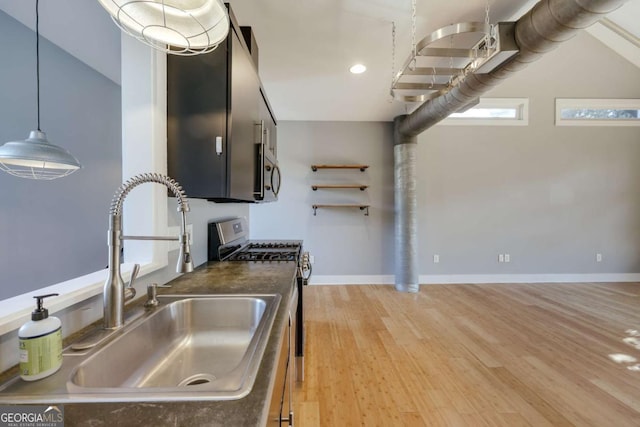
(54, 231)
(552, 197)
(83, 313)
(343, 241)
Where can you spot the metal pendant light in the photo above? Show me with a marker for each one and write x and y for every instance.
(36, 157)
(177, 27)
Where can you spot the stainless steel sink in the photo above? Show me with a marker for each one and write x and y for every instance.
(189, 348)
(207, 345)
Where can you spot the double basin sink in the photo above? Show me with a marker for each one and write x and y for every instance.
(188, 348)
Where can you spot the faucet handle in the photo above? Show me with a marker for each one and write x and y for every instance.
(134, 275)
(130, 291)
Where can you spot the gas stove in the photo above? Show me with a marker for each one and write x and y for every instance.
(267, 251)
(228, 242)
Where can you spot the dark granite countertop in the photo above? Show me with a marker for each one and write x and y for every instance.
(252, 410)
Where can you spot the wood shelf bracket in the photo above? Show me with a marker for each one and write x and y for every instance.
(364, 208)
(315, 187)
(361, 167)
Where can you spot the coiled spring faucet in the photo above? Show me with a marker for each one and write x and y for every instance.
(115, 293)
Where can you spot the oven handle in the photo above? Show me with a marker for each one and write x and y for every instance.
(310, 270)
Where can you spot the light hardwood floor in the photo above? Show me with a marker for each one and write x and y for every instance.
(470, 355)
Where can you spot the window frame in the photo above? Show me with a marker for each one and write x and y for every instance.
(143, 149)
(520, 104)
(595, 103)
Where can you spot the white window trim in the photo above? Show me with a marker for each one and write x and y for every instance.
(612, 103)
(521, 104)
(16, 310)
(143, 150)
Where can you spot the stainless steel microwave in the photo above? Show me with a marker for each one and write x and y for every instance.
(268, 177)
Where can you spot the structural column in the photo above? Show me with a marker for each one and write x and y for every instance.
(406, 210)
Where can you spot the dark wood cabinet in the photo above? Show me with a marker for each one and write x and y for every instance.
(214, 104)
(243, 117)
(281, 403)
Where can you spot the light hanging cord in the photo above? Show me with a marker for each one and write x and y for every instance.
(491, 35)
(393, 58)
(38, 61)
(414, 51)
(452, 77)
(413, 27)
(36, 157)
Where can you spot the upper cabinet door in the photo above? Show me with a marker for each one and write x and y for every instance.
(214, 121)
(197, 102)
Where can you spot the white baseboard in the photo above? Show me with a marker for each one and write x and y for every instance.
(530, 278)
(352, 280)
(477, 278)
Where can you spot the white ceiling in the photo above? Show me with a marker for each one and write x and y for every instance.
(628, 17)
(306, 46)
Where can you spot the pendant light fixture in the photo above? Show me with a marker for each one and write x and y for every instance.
(36, 157)
(177, 27)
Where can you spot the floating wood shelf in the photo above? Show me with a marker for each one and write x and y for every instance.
(361, 167)
(364, 208)
(334, 186)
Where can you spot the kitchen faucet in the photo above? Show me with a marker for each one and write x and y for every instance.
(115, 293)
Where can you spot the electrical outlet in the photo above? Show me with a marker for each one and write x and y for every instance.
(501, 258)
(507, 258)
(312, 259)
(598, 257)
(436, 258)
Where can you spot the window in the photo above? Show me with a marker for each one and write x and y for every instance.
(493, 112)
(597, 112)
(143, 139)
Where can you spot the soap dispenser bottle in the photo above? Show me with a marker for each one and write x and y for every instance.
(40, 343)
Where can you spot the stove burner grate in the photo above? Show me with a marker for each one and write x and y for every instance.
(268, 251)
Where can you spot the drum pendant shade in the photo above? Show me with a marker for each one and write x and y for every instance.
(178, 27)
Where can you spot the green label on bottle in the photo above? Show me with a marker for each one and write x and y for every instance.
(40, 354)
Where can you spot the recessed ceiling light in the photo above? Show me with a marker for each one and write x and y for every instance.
(358, 69)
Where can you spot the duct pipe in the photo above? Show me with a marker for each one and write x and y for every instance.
(542, 29)
(406, 211)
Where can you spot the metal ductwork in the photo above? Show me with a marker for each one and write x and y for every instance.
(406, 212)
(548, 24)
(542, 29)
